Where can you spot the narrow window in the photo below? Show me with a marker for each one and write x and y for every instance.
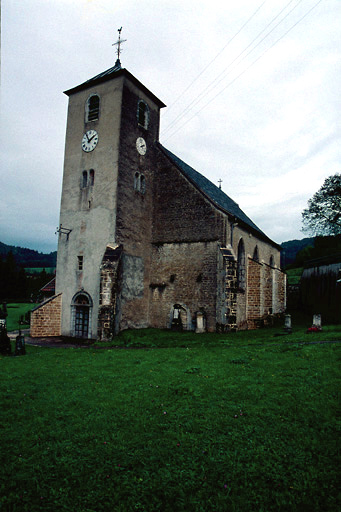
(137, 182)
(142, 184)
(80, 262)
(85, 179)
(91, 177)
(256, 254)
(92, 108)
(143, 114)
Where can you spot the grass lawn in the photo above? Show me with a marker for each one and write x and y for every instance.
(15, 310)
(239, 422)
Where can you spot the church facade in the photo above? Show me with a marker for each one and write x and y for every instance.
(144, 239)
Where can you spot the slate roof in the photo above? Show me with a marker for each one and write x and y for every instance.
(215, 194)
(112, 73)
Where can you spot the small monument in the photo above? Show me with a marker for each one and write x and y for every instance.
(200, 324)
(287, 324)
(317, 324)
(20, 349)
(317, 321)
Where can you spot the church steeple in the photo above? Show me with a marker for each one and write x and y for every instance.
(118, 51)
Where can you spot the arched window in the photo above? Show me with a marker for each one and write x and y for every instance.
(143, 114)
(241, 277)
(256, 254)
(92, 108)
(91, 177)
(272, 261)
(137, 182)
(85, 179)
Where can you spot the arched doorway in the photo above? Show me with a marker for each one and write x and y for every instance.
(81, 307)
(180, 318)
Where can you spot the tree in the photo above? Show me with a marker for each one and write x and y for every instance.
(323, 215)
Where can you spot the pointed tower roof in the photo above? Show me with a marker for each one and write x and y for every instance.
(111, 74)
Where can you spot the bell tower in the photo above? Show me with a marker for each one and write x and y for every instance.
(112, 127)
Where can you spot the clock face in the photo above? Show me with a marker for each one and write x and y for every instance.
(141, 145)
(89, 140)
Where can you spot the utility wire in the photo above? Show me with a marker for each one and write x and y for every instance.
(212, 85)
(219, 53)
(247, 68)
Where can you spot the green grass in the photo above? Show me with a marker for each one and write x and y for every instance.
(294, 275)
(38, 270)
(15, 310)
(243, 422)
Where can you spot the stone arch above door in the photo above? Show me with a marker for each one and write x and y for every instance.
(180, 317)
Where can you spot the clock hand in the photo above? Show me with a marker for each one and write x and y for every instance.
(89, 140)
(87, 136)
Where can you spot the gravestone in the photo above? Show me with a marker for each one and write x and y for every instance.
(200, 327)
(287, 323)
(317, 321)
(20, 349)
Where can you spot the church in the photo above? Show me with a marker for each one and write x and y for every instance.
(144, 239)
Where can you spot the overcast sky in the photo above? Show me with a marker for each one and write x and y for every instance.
(252, 91)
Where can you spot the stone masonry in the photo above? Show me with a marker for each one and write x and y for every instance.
(46, 318)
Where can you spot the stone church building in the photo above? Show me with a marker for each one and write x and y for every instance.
(144, 239)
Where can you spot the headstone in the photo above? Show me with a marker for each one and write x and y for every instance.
(20, 345)
(287, 323)
(200, 327)
(317, 321)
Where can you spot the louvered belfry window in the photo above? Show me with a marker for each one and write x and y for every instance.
(93, 108)
(143, 114)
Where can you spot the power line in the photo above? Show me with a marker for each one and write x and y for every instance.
(212, 85)
(219, 53)
(247, 68)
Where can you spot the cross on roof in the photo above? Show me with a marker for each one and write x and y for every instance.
(118, 44)
(220, 182)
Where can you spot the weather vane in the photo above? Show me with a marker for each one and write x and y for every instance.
(118, 44)
(220, 182)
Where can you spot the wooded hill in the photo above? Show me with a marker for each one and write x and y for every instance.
(28, 257)
(297, 253)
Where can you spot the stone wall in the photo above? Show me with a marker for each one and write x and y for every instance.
(281, 296)
(134, 216)
(184, 274)
(254, 295)
(227, 291)
(268, 278)
(181, 212)
(108, 296)
(46, 318)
